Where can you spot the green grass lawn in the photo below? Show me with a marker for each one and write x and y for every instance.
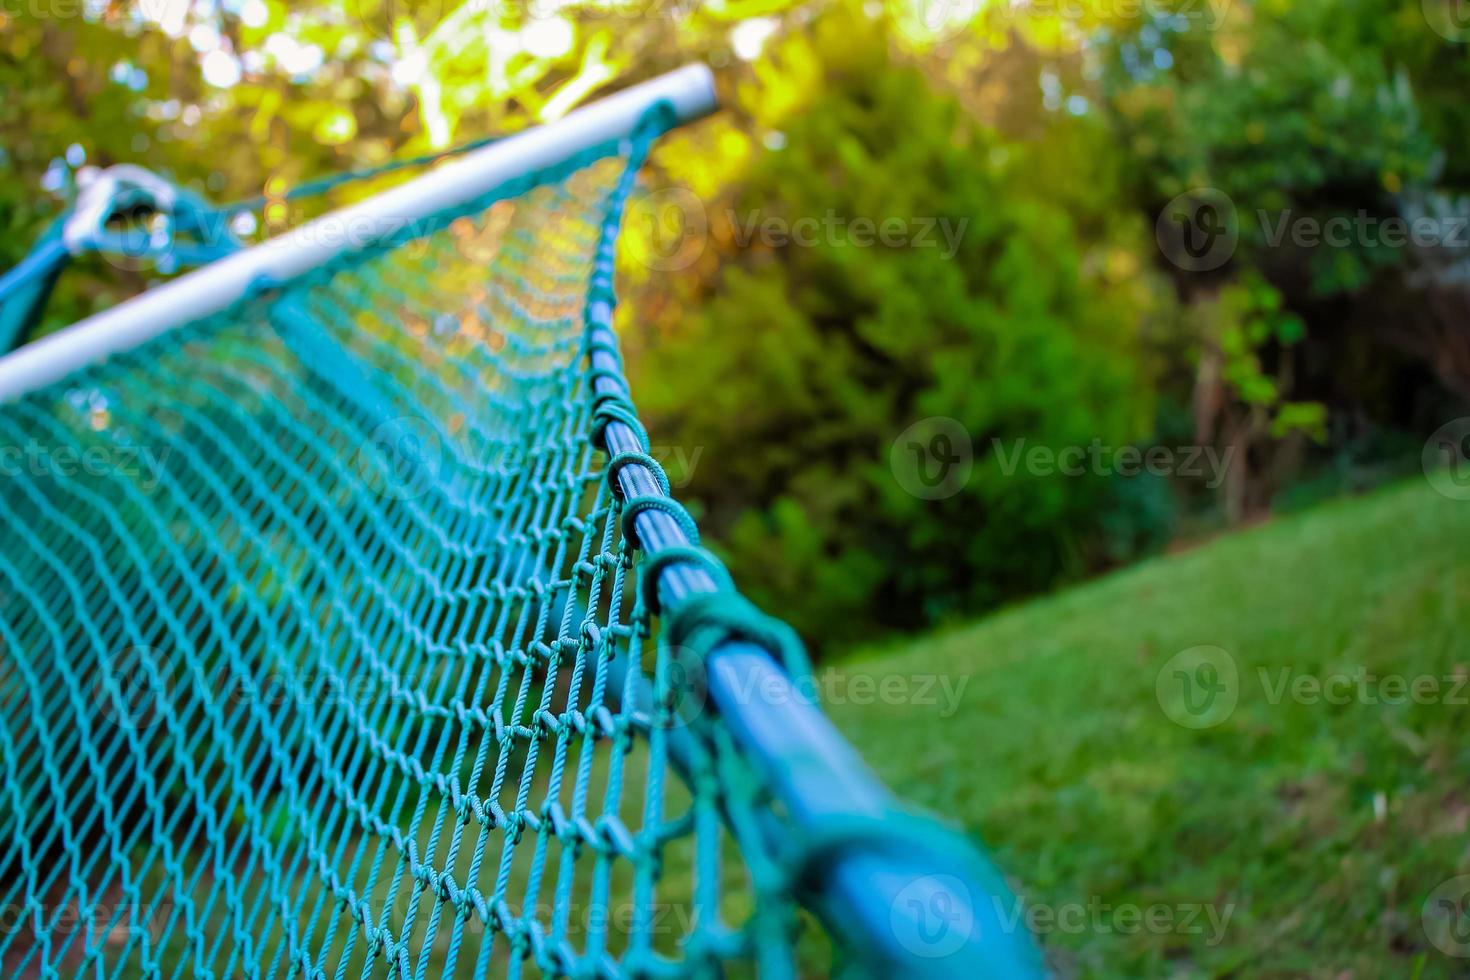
(1320, 828)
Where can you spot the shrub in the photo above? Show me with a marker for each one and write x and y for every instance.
(807, 361)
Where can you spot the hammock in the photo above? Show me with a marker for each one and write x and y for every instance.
(347, 628)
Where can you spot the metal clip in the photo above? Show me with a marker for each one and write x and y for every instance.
(115, 190)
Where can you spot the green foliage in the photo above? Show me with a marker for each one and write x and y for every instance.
(807, 361)
(1252, 317)
(782, 374)
(1277, 111)
(307, 89)
(1323, 826)
(1318, 125)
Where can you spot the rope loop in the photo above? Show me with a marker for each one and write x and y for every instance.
(659, 502)
(616, 407)
(612, 374)
(644, 460)
(601, 289)
(654, 564)
(600, 342)
(702, 622)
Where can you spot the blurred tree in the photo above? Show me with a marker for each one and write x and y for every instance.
(1304, 126)
(245, 99)
(1052, 136)
(813, 351)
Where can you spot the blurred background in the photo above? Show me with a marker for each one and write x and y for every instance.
(1087, 381)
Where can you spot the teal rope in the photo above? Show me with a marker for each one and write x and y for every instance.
(25, 288)
(321, 185)
(364, 666)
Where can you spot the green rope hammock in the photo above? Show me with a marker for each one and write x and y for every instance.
(352, 631)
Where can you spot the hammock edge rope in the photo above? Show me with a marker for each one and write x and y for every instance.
(876, 874)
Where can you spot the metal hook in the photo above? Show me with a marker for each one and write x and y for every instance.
(114, 190)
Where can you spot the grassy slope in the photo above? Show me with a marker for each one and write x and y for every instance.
(1326, 826)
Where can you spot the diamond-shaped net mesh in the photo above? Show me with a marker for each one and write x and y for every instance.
(321, 648)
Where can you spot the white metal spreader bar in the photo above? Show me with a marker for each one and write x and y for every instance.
(690, 90)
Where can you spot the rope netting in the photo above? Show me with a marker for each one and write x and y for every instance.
(324, 650)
